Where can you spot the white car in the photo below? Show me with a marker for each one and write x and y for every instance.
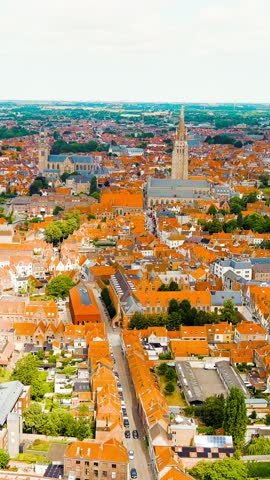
(131, 455)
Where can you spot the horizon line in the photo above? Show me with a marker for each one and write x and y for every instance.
(22, 100)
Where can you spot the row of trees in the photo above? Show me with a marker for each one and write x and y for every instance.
(60, 146)
(223, 139)
(58, 230)
(256, 222)
(172, 287)
(14, 132)
(105, 295)
(182, 313)
(57, 422)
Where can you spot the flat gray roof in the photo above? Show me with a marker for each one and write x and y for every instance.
(231, 378)
(9, 394)
(189, 382)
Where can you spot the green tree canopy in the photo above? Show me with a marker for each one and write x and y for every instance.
(259, 446)
(235, 417)
(26, 371)
(38, 184)
(212, 210)
(53, 234)
(227, 469)
(59, 286)
(4, 458)
(57, 210)
(93, 185)
(228, 313)
(212, 411)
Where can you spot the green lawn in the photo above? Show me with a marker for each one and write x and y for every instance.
(175, 398)
(31, 458)
(40, 446)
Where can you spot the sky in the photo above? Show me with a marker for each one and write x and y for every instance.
(141, 50)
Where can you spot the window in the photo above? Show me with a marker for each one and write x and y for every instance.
(87, 464)
(113, 465)
(104, 473)
(95, 473)
(78, 462)
(95, 464)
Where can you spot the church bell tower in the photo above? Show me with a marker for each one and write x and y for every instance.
(43, 151)
(180, 151)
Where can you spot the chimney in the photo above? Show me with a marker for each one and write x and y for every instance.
(88, 451)
(78, 451)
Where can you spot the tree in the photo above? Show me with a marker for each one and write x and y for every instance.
(57, 210)
(240, 220)
(64, 176)
(169, 388)
(38, 184)
(162, 368)
(212, 210)
(212, 411)
(34, 418)
(59, 286)
(26, 369)
(235, 417)
(230, 226)
(267, 419)
(170, 374)
(53, 233)
(226, 469)
(228, 313)
(96, 195)
(173, 306)
(265, 245)
(93, 185)
(4, 459)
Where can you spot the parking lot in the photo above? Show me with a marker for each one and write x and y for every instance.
(210, 382)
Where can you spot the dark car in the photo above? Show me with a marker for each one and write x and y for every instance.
(124, 411)
(127, 434)
(133, 473)
(135, 434)
(126, 422)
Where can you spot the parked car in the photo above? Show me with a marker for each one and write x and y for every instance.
(135, 434)
(131, 454)
(133, 473)
(126, 422)
(127, 433)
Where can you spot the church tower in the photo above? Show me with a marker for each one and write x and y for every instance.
(180, 151)
(43, 151)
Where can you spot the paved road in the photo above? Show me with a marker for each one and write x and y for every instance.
(141, 458)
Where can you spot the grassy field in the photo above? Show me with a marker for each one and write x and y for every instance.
(175, 398)
(31, 458)
(40, 446)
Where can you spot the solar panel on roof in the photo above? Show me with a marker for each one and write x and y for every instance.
(212, 440)
(84, 296)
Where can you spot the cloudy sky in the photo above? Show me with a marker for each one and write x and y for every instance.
(140, 50)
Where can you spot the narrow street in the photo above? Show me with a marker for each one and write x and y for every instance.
(141, 458)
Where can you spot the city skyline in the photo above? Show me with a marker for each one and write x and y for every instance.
(159, 52)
